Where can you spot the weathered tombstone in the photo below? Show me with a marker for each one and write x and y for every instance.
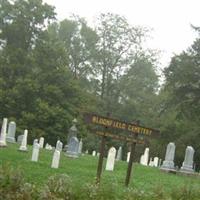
(86, 152)
(151, 163)
(119, 154)
(80, 146)
(93, 153)
(65, 148)
(168, 163)
(19, 139)
(35, 141)
(59, 145)
(72, 150)
(128, 156)
(56, 159)
(145, 158)
(187, 166)
(98, 154)
(3, 133)
(11, 132)
(35, 153)
(41, 142)
(155, 161)
(23, 146)
(111, 159)
(46, 146)
(73, 142)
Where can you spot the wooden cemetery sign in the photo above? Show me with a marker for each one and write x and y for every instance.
(134, 129)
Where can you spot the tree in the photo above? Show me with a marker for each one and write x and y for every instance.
(117, 42)
(79, 43)
(182, 105)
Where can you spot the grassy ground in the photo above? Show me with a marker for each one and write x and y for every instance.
(83, 171)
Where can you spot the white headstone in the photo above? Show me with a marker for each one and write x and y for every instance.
(119, 154)
(80, 146)
(23, 146)
(35, 141)
(187, 165)
(41, 142)
(128, 156)
(59, 145)
(155, 161)
(11, 132)
(111, 159)
(48, 146)
(168, 163)
(3, 133)
(145, 158)
(56, 159)
(151, 163)
(93, 153)
(35, 153)
(98, 154)
(86, 151)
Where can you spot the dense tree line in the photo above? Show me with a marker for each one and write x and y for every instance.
(52, 71)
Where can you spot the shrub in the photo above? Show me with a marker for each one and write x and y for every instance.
(13, 186)
(57, 187)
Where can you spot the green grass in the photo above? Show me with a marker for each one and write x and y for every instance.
(83, 171)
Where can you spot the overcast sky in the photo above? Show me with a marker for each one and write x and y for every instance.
(169, 19)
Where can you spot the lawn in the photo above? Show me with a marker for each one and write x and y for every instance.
(83, 171)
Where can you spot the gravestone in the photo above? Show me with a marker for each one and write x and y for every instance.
(3, 133)
(168, 163)
(93, 153)
(48, 146)
(187, 166)
(145, 158)
(11, 132)
(155, 161)
(72, 150)
(35, 141)
(35, 153)
(151, 163)
(56, 159)
(111, 159)
(80, 146)
(73, 142)
(19, 139)
(65, 148)
(23, 146)
(86, 152)
(59, 145)
(41, 142)
(128, 156)
(98, 154)
(119, 154)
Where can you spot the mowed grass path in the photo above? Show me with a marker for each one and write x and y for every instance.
(83, 171)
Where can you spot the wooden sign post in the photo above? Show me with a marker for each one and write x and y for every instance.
(107, 122)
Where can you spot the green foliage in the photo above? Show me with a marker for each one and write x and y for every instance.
(57, 187)
(13, 186)
(179, 111)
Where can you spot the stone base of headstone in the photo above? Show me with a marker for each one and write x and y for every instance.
(71, 154)
(23, 149)
(3, 143)
(168, 166)
(10, 139)
(187, 169)
(3, 146)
